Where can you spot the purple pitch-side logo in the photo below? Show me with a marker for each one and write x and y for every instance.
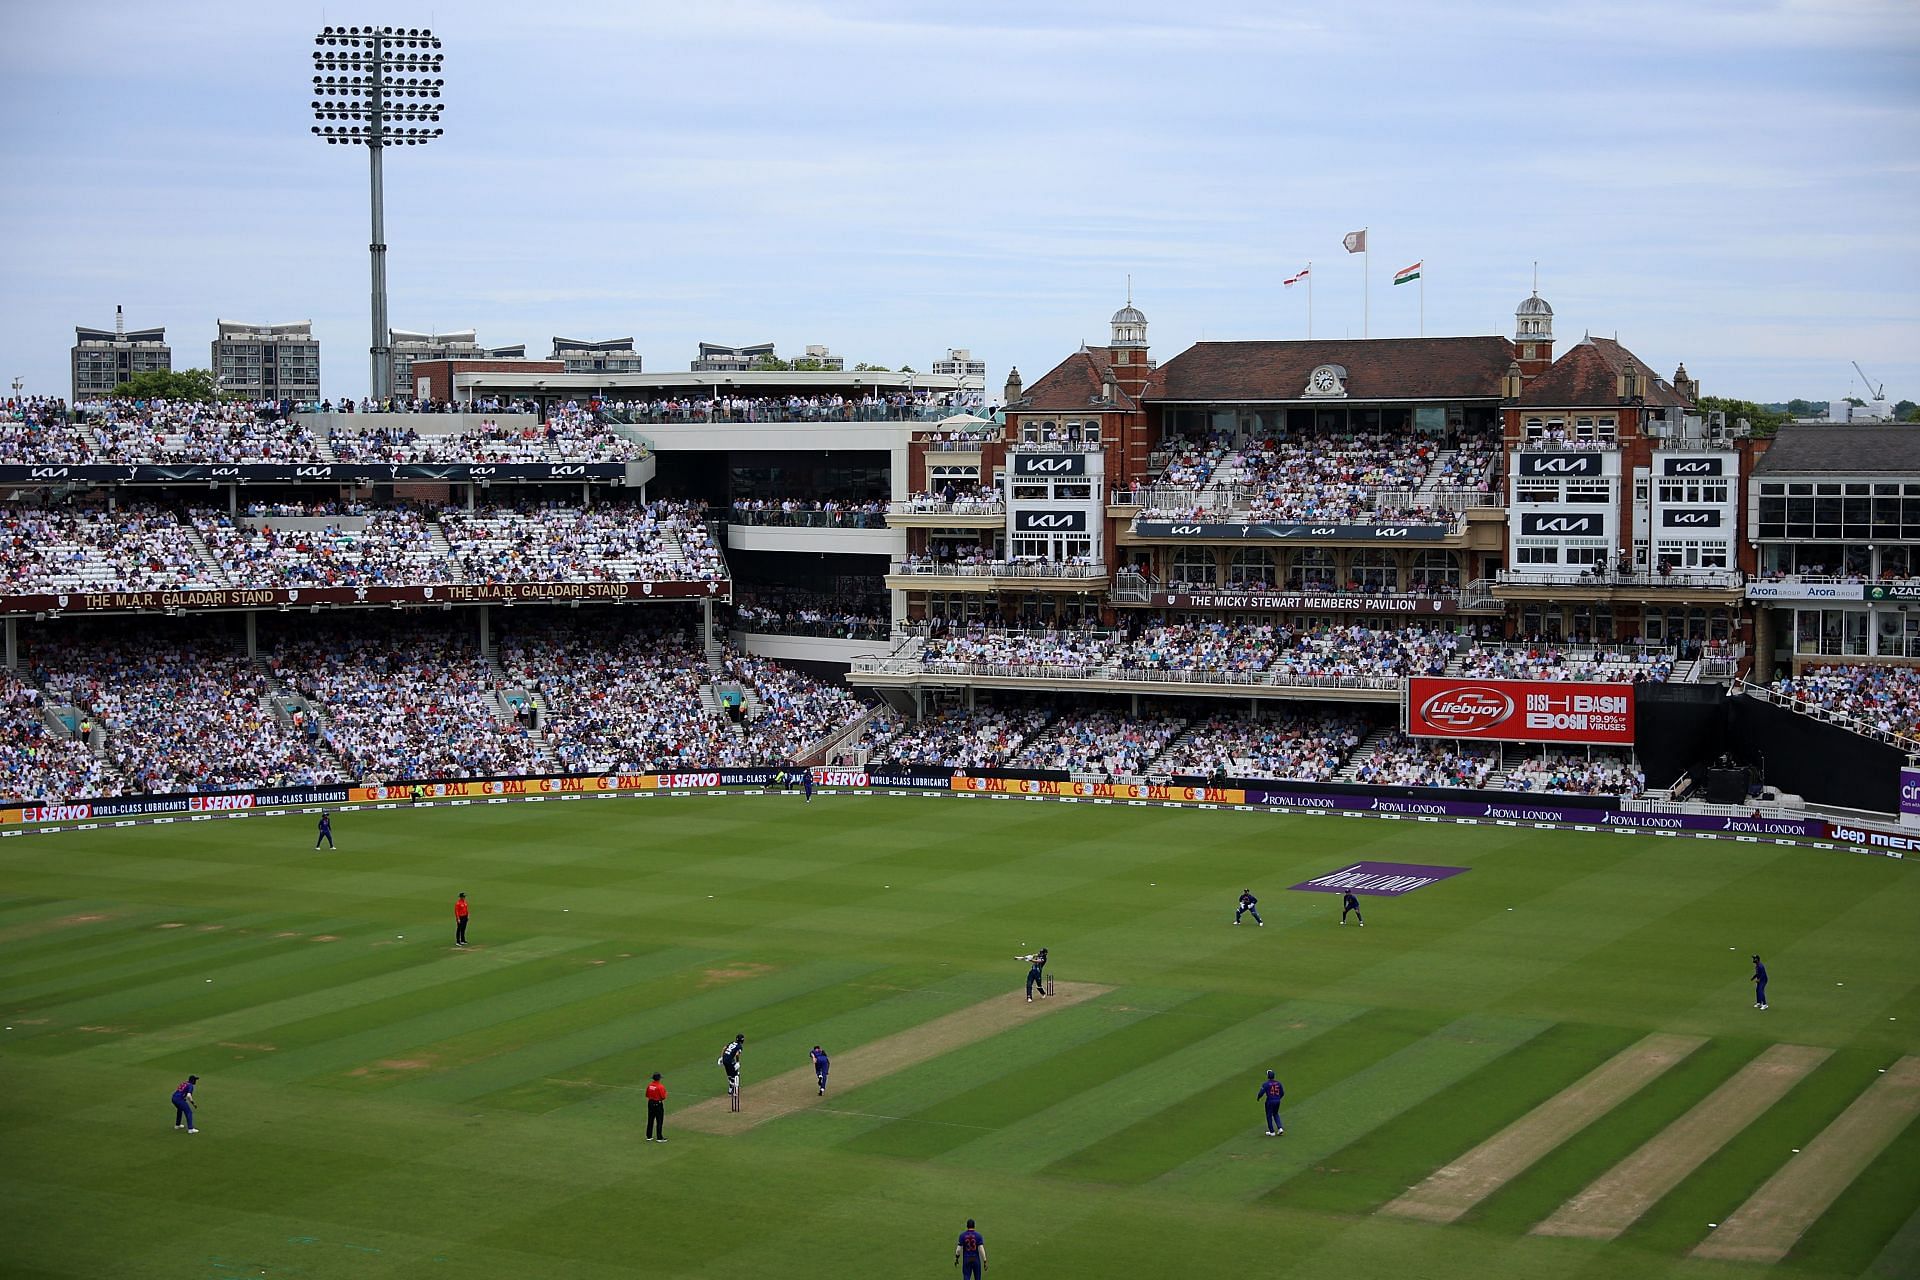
(1382, 879)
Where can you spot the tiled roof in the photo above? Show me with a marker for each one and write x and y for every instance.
(1587, 377)
(1076, 383)
(1840, 448)
(1377, 369)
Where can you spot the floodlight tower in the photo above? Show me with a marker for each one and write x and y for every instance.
(384, 83)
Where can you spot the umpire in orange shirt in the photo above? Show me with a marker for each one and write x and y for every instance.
(656, 1110)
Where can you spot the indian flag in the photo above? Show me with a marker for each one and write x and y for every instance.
(1406, 275)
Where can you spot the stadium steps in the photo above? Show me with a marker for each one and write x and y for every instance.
(437, 539)
(1187, 729)
(1366, 748)
(204, 554)
(1431, 484)
(283, 697)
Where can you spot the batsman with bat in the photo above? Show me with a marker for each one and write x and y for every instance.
(1036, 978)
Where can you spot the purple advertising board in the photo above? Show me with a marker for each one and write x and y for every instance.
(1910, 797)
(1380, 879)
(1811, 827)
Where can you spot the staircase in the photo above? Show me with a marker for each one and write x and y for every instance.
(1366, 748)
(284, 699)
(505, 690)
(215, 573)
(1431, 485)
(437, 539)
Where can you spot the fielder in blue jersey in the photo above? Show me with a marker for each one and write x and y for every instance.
(326, 831)
(820, 1067)
(970, 1253)
(806, 783)
(1759, 984)
(1249, 906)
(1270, 1093)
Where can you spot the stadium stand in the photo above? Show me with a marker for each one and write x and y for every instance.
(1885, 698)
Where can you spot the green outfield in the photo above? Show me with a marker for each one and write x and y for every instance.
(1547, 1066)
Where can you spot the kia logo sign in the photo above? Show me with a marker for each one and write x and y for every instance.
(1694, 466)
(1559, 464)
(1691, 518)
(1049, 464)
(1467, 709)
(1589, 525)
(1044, 521)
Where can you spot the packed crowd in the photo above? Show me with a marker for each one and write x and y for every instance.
(793, 712)
(1102, 742)
(1358, 479)
(1886, 699)
(1399, 761)
(626, 701)
(141, 547)
(1076, 652)
(893, 407)
(556, 542)
(808, 620)
(406, 701)
(1302, 745)
(180, 714)
(380, 546)
(1565, 662)
(1199, 650)
(795, 512)
(73, 548)
(1596, 775)
(41, 761)
(570, 433)
(161, 431)
(961, 738)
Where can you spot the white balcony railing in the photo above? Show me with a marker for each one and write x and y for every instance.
(995, 569)
(1672, 579)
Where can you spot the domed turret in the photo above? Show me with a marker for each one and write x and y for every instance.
(1533, 320)
(1129, 327)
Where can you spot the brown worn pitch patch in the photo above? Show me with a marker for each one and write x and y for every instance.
(172, 924)
(326, 937)
(256, 1048)
(1448, 1193)
(734, 973)
(20, 933)
(1779, 1213)
(1617, 1198)
(792, 1090)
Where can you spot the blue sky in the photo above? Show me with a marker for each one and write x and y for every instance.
(1733, 184)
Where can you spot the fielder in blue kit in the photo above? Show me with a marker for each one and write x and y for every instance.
(820, 1067)
(970, 1253)
(1270, 1093)
(1249, 906)
(1759, 984)
(183, 1104)
(806, 783)
(326, 831)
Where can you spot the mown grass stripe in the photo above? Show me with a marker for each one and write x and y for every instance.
(1198, 1065)
(1382, 1164)
(1457, 1188)
(501, 1058)
(1612, 1202)
(571, 993)
(1549, 1182)
(847, 1014)
(190, 951)
(1004, 1089)
(1864, 1227)
(1774, 1217)
(1335, 1099)
(1188, 1126)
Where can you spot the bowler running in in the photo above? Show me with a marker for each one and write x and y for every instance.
(819, 1057)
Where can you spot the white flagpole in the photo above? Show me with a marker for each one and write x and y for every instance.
(1309, 299)
(1423, 299)
(1366, 285)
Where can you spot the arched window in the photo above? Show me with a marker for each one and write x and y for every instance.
(1374, 572)
(1312, 570)
(1196, 566)
(1251, 567)
(1435, 572)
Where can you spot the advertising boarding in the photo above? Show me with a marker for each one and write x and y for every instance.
(1910, 797)
(1566, 711)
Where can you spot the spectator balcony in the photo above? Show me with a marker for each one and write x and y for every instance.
(996, 575)
(1613, 585)
(930, 512)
